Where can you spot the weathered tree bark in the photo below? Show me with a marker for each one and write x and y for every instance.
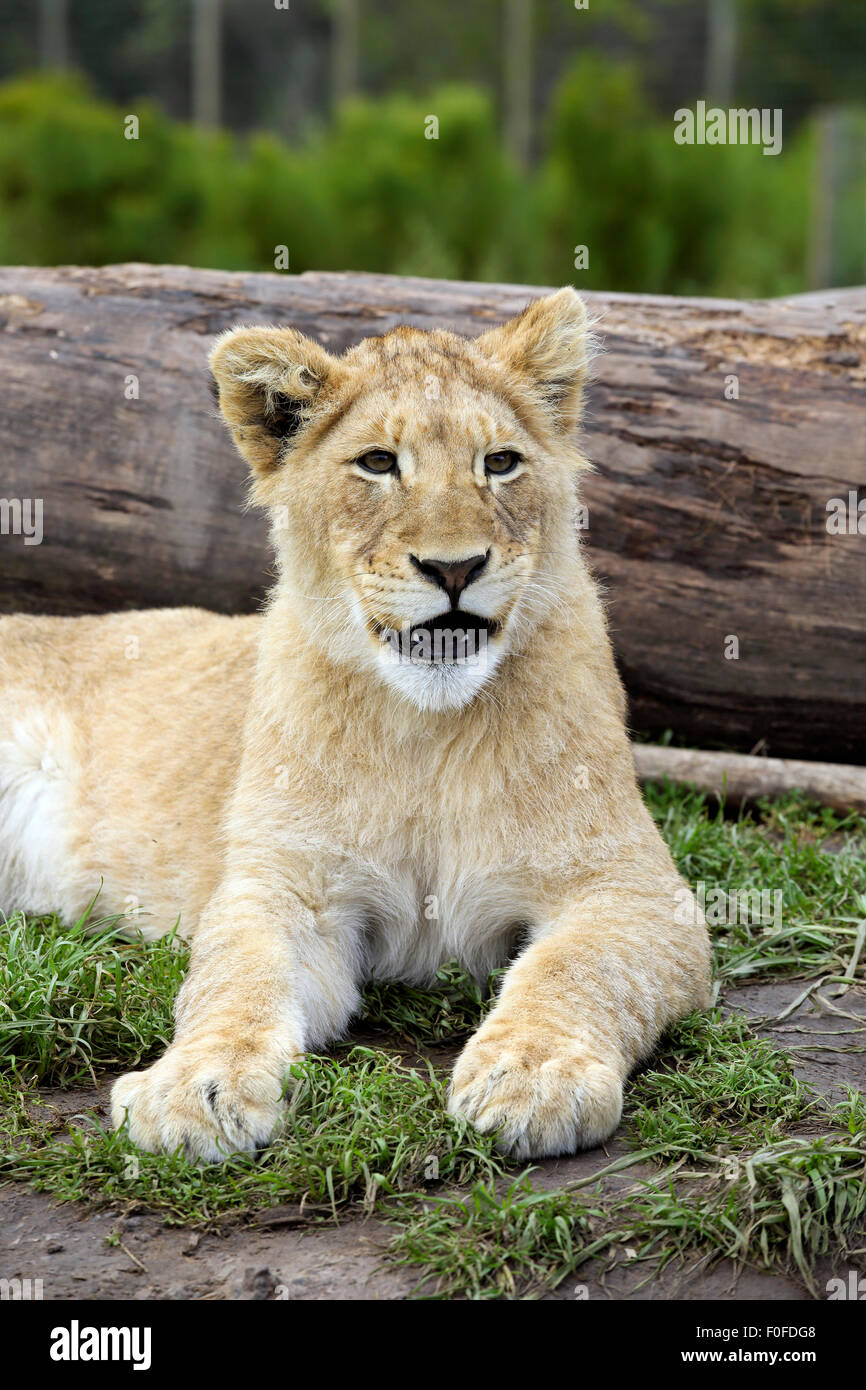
(707, 515)
(736, 777)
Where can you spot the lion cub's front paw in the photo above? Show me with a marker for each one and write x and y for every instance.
(545, 1097)
(214, 1100)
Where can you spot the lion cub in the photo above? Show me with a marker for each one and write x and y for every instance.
(418, 752)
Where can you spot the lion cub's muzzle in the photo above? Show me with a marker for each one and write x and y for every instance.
(456, 637)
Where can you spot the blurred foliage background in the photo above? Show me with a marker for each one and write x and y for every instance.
(307, 124)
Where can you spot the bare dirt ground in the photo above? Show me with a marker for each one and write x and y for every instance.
(281, 1255)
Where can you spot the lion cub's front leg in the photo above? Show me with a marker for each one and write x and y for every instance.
(584, 1003)
(263, 985)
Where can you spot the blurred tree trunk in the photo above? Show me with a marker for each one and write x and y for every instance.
(206, 62)
(345, 52)
(721, 60)
(518, 79)
(53, 33)
(837, 251)
(823, 201)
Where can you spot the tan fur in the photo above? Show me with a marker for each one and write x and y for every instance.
(319, 813)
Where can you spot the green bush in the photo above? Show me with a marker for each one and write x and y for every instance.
(373, 192)
(662, 217)
(415, 205)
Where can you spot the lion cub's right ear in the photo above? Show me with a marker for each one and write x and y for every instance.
(269, 380)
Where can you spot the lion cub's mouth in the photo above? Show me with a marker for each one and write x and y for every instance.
(450, 638)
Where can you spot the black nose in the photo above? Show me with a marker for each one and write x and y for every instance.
(452, 575)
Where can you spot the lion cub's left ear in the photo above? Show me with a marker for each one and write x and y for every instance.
(551, 345)
(269, 381)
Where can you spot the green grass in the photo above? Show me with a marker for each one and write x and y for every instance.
(823, 893)
(714, 1089)
(76, 999)
(360, 1129)
(764, 1170)
(786, 1204)
(722, 1110)
(446, 1013)
(496, 1244)
(748, 1162)
(782, 1204)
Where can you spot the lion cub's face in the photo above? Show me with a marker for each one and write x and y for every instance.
(421, 486)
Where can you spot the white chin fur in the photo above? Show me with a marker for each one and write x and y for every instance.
(438, 686)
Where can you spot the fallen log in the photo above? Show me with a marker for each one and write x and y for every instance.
(736, 777)
(720, 432)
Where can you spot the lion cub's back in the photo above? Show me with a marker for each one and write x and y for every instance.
(83, 644)
(119, 738)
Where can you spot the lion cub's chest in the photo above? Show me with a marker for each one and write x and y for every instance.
(436, 871)
(417, 917)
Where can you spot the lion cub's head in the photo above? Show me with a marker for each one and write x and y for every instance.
(421, 486)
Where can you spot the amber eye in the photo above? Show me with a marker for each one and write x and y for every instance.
(378, 461)
(500, 462)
